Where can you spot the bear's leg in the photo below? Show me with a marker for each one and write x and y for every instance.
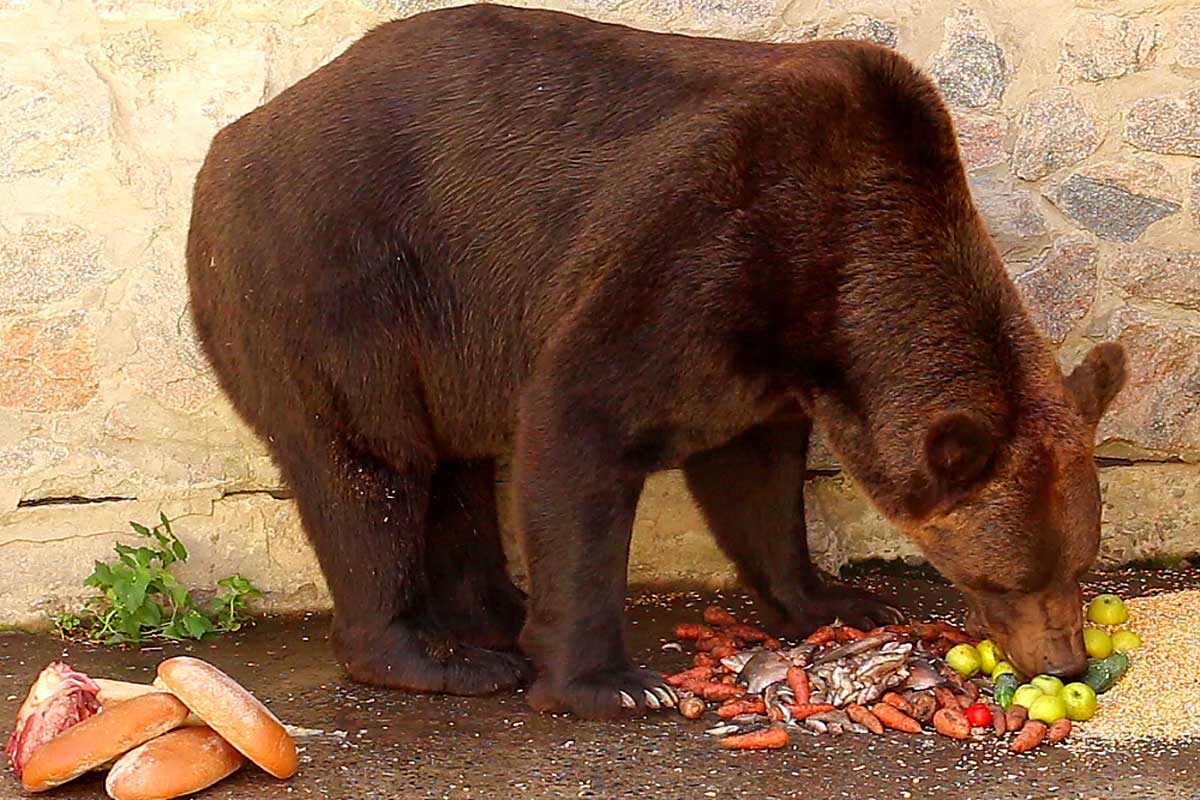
(366, 519)
(471, 595)
(576, 504)
(751, 492)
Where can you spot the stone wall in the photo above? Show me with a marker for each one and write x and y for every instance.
(1080, 122)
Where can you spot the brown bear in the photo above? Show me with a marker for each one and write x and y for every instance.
(609, 252)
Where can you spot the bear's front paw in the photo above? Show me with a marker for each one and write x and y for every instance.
(606, 695)
(852, 606)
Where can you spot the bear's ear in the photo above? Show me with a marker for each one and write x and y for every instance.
(958, 448)
(1096, 381)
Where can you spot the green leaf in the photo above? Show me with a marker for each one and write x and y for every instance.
(196, 624)
(131, 591)
(101, 575)
(145, 556)
(142, 529)
(179, 550)
(149, 615)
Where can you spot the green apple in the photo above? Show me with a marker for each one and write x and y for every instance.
(1097, 642)
(1123, 641)
(1048, 685)
(1003, 668)
(1107, 609)
(965, 659)
(1025, 695)
(1080, 700)
(1048, 709)
(990, 655)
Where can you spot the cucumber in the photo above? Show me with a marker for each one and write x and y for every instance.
(1004, 689)
(1102, 673)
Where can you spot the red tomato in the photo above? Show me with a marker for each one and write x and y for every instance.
(979, 715)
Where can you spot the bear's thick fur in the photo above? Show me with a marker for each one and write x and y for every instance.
(615, 252)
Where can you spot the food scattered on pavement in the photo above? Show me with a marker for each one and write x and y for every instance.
(921, 678)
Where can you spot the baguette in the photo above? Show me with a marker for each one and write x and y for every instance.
(231, 711)
(99, 739)
(175, 764)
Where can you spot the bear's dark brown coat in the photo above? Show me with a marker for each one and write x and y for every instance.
(618, 252)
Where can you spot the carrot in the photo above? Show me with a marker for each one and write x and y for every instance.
(863, 716)
(743, 705)
(895, 718)
(1031, 736)
(893, 699)
(1014, 717)
(710, 643)
(771, 738)
(747, 633)
(715, 615)
(797, 678)
(822, 635)
(1059, 730)
(695, 673)
(808, 709)
(773, 644)
(945, 697)
(704, 660)
(729, 679)
(998, 723)
(693, 630)
(953, 723)
(958, 637)
(846, 633)
(692, 707)
(719, 692)
(725, 651)
(927, 631)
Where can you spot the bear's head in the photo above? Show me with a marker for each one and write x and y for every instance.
(1005, 505)
(1027, 523)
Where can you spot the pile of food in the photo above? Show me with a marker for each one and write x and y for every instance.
(909, 678)
(193, 727)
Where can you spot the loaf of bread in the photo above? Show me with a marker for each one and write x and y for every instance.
(232, 712)
(175, 764)
(99, 739)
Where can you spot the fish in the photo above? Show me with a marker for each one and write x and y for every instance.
(923, 675)
(857, 646)
(765, 668)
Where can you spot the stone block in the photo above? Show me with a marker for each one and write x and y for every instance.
(47, 260)
(1116, 201)
(47, 364)
(980, 138)
(1060, 286)
(1153, 273)
(1165, 124)
(970, 67)
(1055, 130)
(867, 28)
(1102, 46)
(1159, 408)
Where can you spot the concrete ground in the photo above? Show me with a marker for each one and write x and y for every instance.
(371, 743)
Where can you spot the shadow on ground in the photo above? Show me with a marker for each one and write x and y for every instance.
(382, 744)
